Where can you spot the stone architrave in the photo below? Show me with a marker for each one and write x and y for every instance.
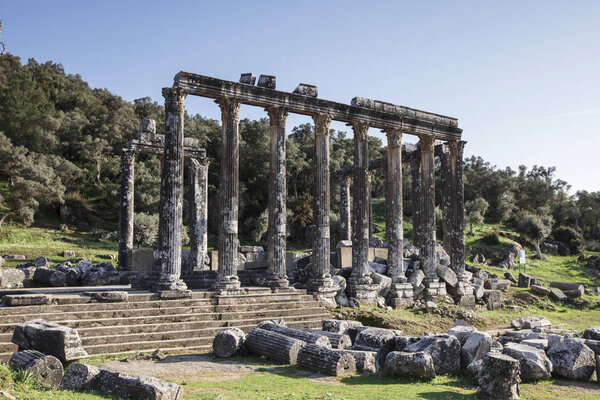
(229, 195)
(277, 196)
(360, 283)
(427, 201)
(345, 216)
(126, 209)
(415, 171)
(394, 234)
(320, 258)
(198, 213)
(171, 194)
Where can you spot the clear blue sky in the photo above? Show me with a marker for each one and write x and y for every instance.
(522, 77)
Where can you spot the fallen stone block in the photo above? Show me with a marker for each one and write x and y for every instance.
(510, 277)
(557, 294)
(87, 377)
(539, 290)
(499, 377)
(541, 344)
(566, 286)
(492, 299)
(476, 347)
(593, 332)
(51, 277)
(372, 339)
(11, 275)
(594, 345)
(462, 331)
(530, 322)
(498, 284)
(274, 346)
(228, 342)
(296, 333)
(12, 300)
(365, 360)
(72, 274)
(49, 338)
(110, 297)
(416, 278)
(45, 369)
(327, 361)
(574, 293)
(447, 275)
(524, 280)
(338, 340)
(68, 253)
(444, 350)
(571, 358)
(535, 365)
(418, 364)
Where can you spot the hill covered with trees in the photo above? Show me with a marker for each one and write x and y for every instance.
(60, 144)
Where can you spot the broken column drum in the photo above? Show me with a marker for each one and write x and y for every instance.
(229, 194)
(277, 196)
(171, 194)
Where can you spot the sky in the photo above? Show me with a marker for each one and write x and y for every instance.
(522, 77)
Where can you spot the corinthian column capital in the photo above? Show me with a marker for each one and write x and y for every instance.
(394, 137)
(277, 115)
(322, 122)
(174, 98)
(230, 108)
(361, 130)
(427, 143)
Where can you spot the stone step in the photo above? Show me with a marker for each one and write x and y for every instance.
(125, 312)
(207, 316)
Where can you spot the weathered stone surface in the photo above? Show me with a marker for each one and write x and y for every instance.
(327, 361)
(27, 299)
(447, 275)
(50, 277)
(46, 369)
(300, 334)
(510, 277)
(476, 347)
(574, 293)
(493, 299)
(541, 344)
(338, 340)
(49, 338)
(228, 342)
(444, 349)
(175, 294)
(110, 297)
(306, 90)
(571, 358)
(530, 322)
(540, 290)
(345, 327)
(68, 253)
(498, 284)
(12, 275)
(267, 81)
(384, 284)
(535, 365)
(248, 78)
(273, 345)
(372, 339)
(593, 332)
(524, 280)
(499, 377)
(87, 377)
(462, 331)
(557, 294)
(416, 278)
(365, 360)
(566, 286)
(418, 364)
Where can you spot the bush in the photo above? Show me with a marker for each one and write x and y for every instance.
(145, 229)
(570, 237)
(491, 238)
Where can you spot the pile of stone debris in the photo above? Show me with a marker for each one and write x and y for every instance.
(532, 351)
(45, 347)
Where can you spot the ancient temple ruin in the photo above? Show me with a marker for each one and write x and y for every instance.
(361, 115)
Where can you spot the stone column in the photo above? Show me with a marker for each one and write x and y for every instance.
(198, 213)
(277, 196)
(321, 282)
(370, 202)
(415, 171)
(394, 233)
(229, 195)
(427, 196)
(126, 211)
(448, 186)
(345, 217)
(457, 250)
(171, 194)
(360, 283)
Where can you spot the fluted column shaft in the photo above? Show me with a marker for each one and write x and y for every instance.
(320, 258)
(345, 216)
(277, 197)
(126, 209)
(229, 195)
(171, 193)
(360, 203)
(394, 233)
(457, 252)
(198, 212)
(427, 194)
(415, 171)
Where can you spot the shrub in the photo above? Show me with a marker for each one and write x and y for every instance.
(491, 238)
(570, 237)
(145, 229)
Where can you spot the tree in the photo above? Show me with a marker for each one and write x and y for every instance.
(145, 229)
(474, 212)
(535, 228)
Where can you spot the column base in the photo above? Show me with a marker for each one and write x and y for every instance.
(168, 282)
(401, 296)
(278, 282)
(324, 291)
(225, 284)
(434, 289)
(362, 291)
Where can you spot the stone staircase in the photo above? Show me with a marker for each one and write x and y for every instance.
(146, 322)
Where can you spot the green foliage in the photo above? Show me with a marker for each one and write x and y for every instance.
(474, 212)
(570, 237)
(491, 238)
(145, 229)
(535, 228)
